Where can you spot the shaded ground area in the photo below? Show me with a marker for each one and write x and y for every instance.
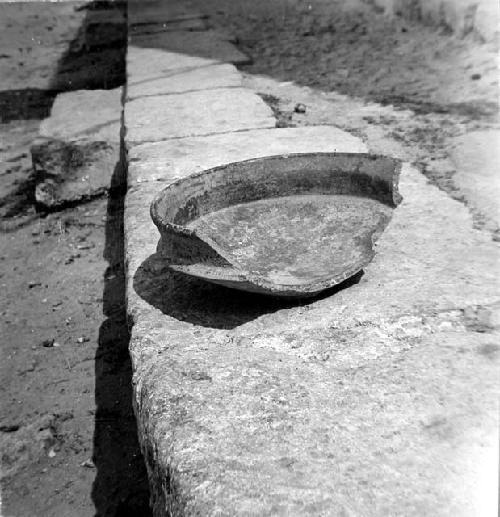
(67, 430)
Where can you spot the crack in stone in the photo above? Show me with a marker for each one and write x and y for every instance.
(182, 93)
(135, 143)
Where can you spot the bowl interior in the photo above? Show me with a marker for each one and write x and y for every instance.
(291, 220)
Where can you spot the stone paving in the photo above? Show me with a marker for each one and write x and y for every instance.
(380, 399)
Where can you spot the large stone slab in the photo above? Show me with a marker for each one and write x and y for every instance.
(375, 400)
(146, 63)
(92, 115)
(205, 44)
(429, 259)
(174, 159)
(69, 172)
(208, 77)
(150, 119)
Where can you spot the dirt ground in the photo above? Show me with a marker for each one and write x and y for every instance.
(353, 49)
(337, 59)
(67, 429)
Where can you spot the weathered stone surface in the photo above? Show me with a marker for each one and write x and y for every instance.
(377, 399)
(174, 159)
(461, 16)
(147, 63)
(374, 400)
(476, 156)
(205, 44)
(209, 77)
(92, 115)
(80, 147)
(151, 119)
(66, 172)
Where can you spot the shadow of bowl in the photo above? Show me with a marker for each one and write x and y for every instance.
(210, 305)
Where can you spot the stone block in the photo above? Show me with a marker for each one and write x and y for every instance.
(92, 115)
(248, 406)
(148, 63)
(150, 119)
(429, 259)
(174, 159)
(78, 153)
(208, 77)
(69, 172)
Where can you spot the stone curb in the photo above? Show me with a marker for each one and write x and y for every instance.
(172, 160)
(376, 401)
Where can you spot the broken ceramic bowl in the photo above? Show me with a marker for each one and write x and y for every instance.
(290, 225)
